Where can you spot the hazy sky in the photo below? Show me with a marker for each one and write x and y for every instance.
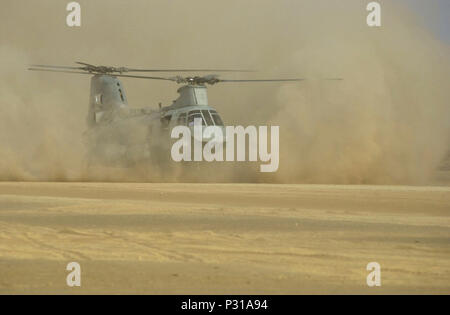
(386, 122)
(435, 13)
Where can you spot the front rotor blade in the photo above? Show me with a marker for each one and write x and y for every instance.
(264, 80)
(85, 64)
(143, 77)
(186, 70)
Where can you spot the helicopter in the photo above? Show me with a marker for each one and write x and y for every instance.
(120, 134)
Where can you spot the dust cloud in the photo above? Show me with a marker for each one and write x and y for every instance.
(387, 122)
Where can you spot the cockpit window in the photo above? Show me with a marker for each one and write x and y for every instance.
(182, 119)
(217, 120)
(194, 116)
(165, 121)
(207, 117)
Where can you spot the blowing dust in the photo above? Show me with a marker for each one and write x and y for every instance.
(386, 122)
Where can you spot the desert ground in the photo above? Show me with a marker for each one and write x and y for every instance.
(223, 238)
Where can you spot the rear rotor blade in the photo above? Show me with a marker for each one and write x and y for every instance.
(64, 71)
(108, 69)
(112, 75)
(208, 79)
(126, 69)
(56, 67)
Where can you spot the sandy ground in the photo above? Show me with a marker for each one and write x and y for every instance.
(223, 238)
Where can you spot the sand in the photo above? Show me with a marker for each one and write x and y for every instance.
(223, 238)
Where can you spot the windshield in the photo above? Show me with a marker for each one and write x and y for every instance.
(191, 118)
(208, 117)
(217, 120)
(182, 119)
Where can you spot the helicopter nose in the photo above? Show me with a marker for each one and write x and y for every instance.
(211, 134)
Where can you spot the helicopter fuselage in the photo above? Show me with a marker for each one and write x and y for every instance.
(118, 132)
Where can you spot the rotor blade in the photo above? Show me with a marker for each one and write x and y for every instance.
(143, 77)
(173, 70)
(64, 71)
(84, 64)
(175, 79)
(279, 80)
(94, 68)
(112, 75)
(264, 80)
(55, 67)
(186, 70)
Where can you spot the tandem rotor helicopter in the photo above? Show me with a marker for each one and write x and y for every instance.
(118, 133)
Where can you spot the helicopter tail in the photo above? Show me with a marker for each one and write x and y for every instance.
(107, 94)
